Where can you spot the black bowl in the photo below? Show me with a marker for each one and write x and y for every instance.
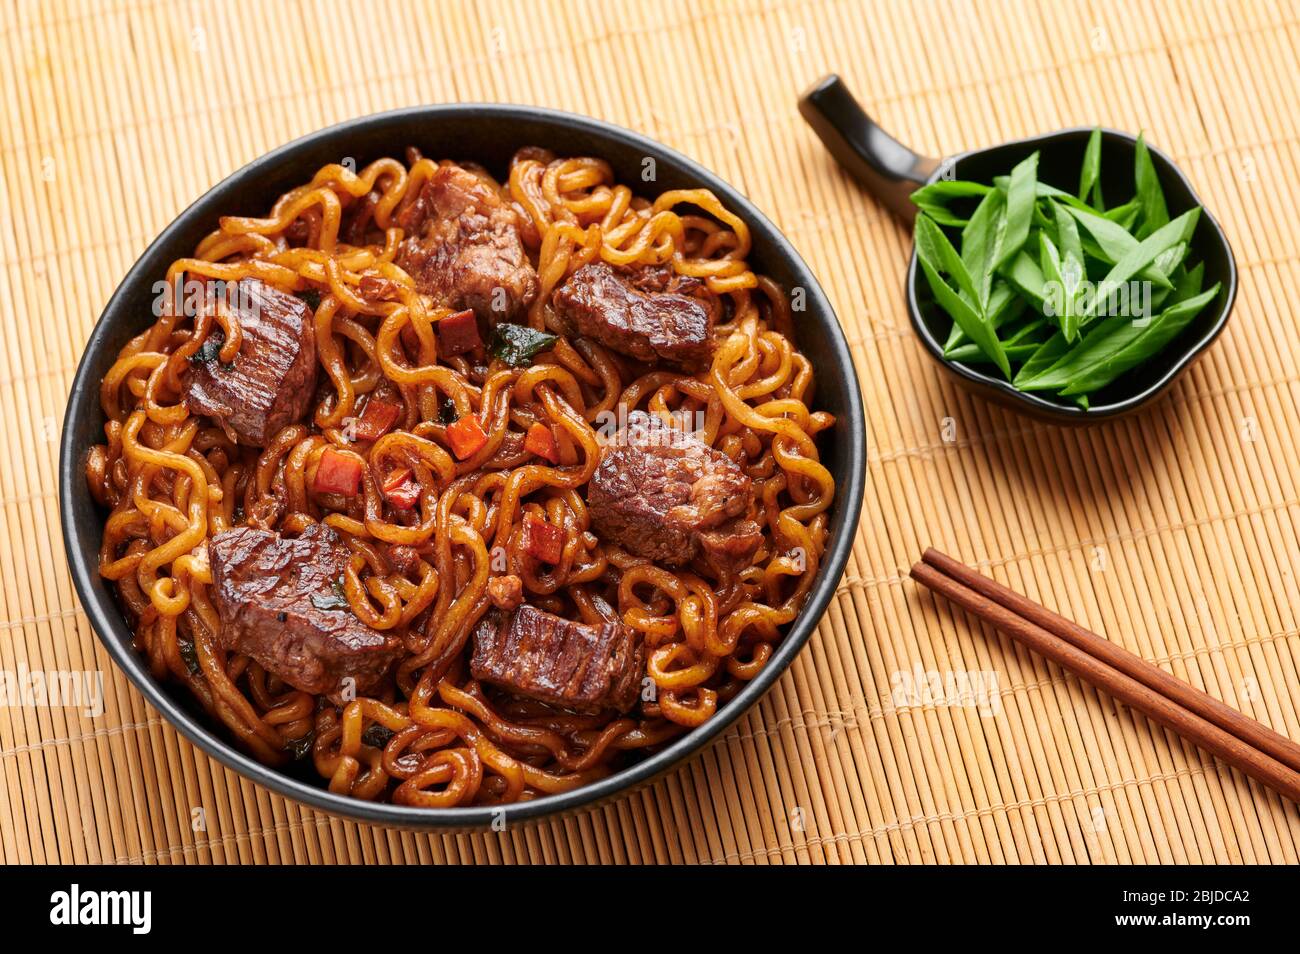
(892, 172)
(488, 134)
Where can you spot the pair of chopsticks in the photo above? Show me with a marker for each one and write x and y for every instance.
(1271, 759)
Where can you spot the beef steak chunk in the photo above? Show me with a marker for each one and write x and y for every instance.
(650, 313)
(281, 603)
(463, 246)
(270, 383)
(572, 665)
(666, 495)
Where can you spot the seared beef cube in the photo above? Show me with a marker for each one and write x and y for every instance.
(463, 246)
(281, 602)
(572, 665)
(650, 314)
(403, 558)
(664, 494)
(731, 545)
(506, 592)
(270, 383)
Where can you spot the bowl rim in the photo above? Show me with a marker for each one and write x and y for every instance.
(109, 624)
(1034, 403)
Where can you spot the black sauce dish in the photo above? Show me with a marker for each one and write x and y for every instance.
(891, 172)
(489, 135)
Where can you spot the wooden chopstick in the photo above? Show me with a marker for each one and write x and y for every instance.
(1153, 702)
(1188, 696)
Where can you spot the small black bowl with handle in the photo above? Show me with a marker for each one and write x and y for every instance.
(891, 172)
(488, 134)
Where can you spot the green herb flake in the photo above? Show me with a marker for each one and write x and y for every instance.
(337, 598)
(517, 345)
(376, 735)
(447, 412)
(209, 350)
(190, 656)
(301, 748)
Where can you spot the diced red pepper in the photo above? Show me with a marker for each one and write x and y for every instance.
(376, 419)
(466, 437)
(543, 540)
(458, 333)
(400, 490)
(541, 441)
(337, 473)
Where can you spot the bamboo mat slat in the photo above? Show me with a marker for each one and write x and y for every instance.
(1175, 533)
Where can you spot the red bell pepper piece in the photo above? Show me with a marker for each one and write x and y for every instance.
(466, 437)
(541, 441)
(458, 333)
(401, 490)
(543, 540)
(376, 419)
(337, 473)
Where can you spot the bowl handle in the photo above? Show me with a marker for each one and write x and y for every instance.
(888, 169)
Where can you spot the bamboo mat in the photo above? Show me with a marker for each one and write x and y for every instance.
(1173, 533)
